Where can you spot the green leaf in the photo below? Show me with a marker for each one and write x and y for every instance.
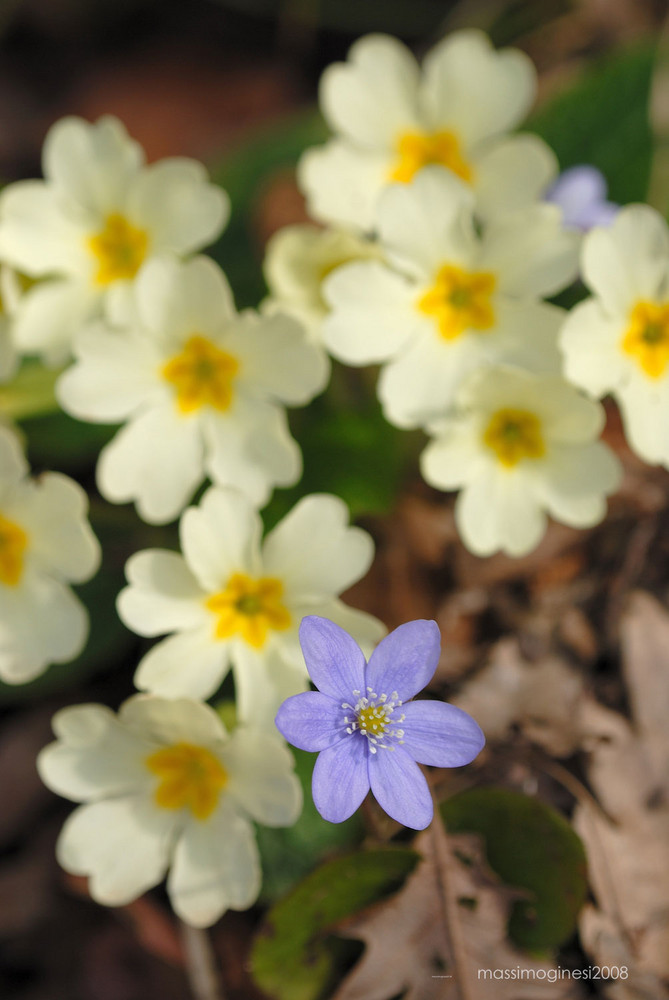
(532, 846)
(603, 120)
(243, 173)
(292, 958)
(348, 449)
(289, 854)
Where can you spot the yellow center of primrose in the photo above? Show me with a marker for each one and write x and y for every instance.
(13, 543)
(514, 435)
(202, 375)
(459, 300)
(415, 150)
(249, 608)
(647, 337)
(189, 776)
(119, 248)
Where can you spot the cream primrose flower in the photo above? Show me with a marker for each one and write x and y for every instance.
(390, 118)
(165, 787)
(230, 600)
(518, 446)
(11, 292)
(617, 341)
(200, 387)
(91, 224)
(298, 259)
(445, 300)
(45, 543)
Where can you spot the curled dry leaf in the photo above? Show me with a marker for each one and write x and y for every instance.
(540, 699)
(627, 842)
(433, 939)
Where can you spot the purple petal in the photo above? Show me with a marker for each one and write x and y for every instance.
(601, 213)
(340, 780)
(311, 721)
(440, 734)
(581, 194)
(400, 788)
(405, 661)
(578, 186)
(334, 660)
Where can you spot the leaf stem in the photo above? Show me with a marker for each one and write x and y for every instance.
(443, 860)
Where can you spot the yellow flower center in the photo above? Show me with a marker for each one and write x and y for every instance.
(460, 300)
(202, 375)
(119, 248)
(373, 720)
(514, 435)
(190, 777)
(416, 150)
(249, 608)
(647, 337)
(13, 543)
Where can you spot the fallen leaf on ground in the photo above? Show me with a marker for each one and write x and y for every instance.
(434, 939)
(628, 838)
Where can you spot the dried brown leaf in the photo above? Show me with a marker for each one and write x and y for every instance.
(540, 699)
(448, 922)
(627, 842)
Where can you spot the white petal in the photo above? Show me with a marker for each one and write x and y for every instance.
(341, 183)
(221, 536)
(215, 866)
(37, 236)
(645, 410)
(374, 95)
(27, 649)
(261, 777)
(174, 201)
(94, 757)
(91, 165)
(13, 465)
(123, 844)
(156, 460)
(50, 315)
(373, 312)
(251, 449)
(470, 86)
(451, 460)
(424, 380)
(179, 298)
(590, 344)
(512, 172)
(530, 252)
(315, 552)
(163, 595)
(166, 721)
(263, 680)
(53, 512)
(115, 373)
(628, 260)
(497, 511)
(277, 359)
(526, 335)
(573, 483)
(188, 664)
(428, 221)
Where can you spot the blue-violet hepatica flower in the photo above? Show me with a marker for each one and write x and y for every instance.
(368, 731)
(581, 194)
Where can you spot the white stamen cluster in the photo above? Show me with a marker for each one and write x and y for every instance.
(372, 718)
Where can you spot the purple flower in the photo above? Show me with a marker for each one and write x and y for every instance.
(368, 732)
(581, 194)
